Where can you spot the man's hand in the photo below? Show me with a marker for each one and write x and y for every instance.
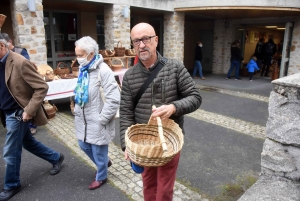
(26, 117)
(126, 155)
(164, 111)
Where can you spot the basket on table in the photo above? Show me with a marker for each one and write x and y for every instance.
(61, 69)
(116, 64)
(75, 67)
(144, 146)
(46, 72)
(130, 52)
(107, 53)
(120, 51)
(2, 20)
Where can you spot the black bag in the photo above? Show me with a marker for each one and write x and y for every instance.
(269, 48)
(259, 48)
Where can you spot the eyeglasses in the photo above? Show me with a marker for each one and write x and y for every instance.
(145, 40)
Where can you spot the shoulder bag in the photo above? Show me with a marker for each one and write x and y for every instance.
(153, 74)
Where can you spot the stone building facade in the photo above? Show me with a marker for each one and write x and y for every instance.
(28, 27)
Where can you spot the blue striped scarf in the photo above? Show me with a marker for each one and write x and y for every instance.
(82, 87)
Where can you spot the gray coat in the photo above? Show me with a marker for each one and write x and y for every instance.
(94, 122)
(172, 85)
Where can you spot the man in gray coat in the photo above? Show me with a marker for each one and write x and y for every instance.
(174, 95)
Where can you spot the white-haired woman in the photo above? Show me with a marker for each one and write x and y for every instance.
(94, 122)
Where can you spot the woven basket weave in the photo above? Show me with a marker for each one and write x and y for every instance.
(119, 50)
(61, 69)
(143, 145)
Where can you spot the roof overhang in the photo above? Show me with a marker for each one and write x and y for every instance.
(240, 12)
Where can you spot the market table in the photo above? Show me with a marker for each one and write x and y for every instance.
(64, 88)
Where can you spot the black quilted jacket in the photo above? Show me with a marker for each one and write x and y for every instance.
(172, 85)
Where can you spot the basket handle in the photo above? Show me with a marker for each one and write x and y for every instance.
(161, 133)
(118, 60)
(118, 44)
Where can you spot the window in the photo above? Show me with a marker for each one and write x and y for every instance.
(61, 34)
(100, 32)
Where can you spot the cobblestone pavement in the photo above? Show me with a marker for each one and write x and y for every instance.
(120, 173)
(234, 93)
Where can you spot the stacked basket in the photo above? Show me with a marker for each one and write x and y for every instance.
(144, 147)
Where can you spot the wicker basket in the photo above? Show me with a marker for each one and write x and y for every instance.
(130, 52)
(144, 146)
(120, 51)
(75, 67)
(61, 69)
(49, 109)
(116, 64)
(2, 20)
(107, 53)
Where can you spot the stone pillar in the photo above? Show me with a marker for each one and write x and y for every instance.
(294, 64)
(280, 158)
(222, 42)
(173, 40)
(28, 29)
(116, 26)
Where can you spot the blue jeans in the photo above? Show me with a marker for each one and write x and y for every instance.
(234, 64)
(198, 67)
(18, 135)
(98, 154)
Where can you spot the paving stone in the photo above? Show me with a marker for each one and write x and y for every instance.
(121, 175)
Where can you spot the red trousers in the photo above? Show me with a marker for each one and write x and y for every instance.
(159, 182)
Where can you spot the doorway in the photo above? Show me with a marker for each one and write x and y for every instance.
(206, 37)
(61, 33)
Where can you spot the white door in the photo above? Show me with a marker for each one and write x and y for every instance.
(286, 49)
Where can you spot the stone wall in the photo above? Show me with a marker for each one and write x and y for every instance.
(28, 29)
(173, 35)
(116, 27)
(294, 64)
(223, 37)
(280, 158)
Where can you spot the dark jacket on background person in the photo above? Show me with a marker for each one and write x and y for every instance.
(198, 53)
(259, 50)
(172, 85)
(270, 48)
(26, 86)
(236, 53)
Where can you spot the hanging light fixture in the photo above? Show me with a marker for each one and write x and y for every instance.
(31, 5)
(125, 12)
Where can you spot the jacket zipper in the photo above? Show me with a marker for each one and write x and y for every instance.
(84, 121)
(163, 91)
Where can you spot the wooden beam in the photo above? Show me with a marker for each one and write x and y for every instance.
(236, 8)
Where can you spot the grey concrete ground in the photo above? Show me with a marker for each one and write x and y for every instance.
(224, 139)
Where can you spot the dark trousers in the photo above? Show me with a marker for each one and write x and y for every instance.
(158, 182)
(250, 75)
(266, 66)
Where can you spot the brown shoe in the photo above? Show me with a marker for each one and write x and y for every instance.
(203, 78)
(97, 184)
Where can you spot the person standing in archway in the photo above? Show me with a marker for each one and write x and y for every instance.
(198, 59)
(235, 60)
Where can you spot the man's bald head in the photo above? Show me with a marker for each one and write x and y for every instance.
(145, 42)
(142, 27)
